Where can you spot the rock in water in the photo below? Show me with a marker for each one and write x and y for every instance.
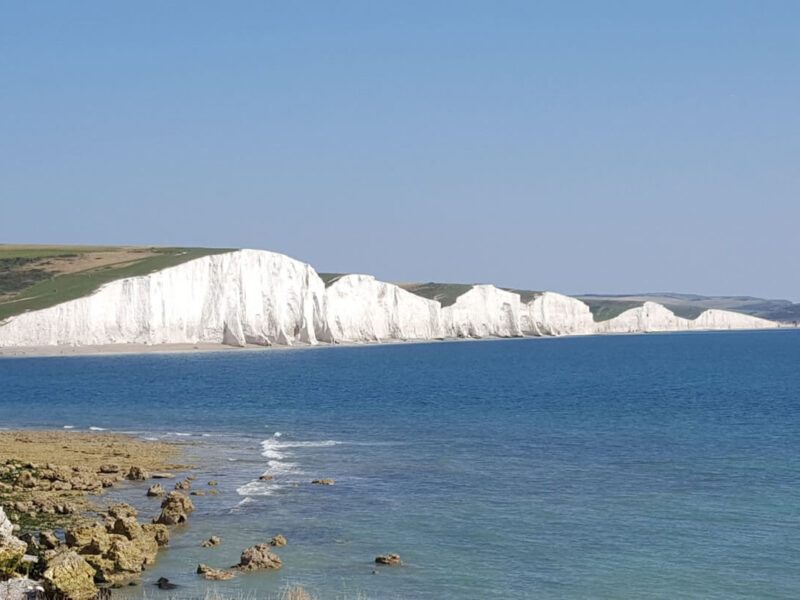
(175, 509)
(212, 541)
(69, 574)
(164, 584)
(323, 481)
(214, 574)
(155, 490)
(137, 474)
(392, 560)
(258, 557)
(48, 540)
(278, 541)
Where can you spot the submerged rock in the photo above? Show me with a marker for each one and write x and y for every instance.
(266, 478)
(212, 541)
(258, 557)
(155, 490)
(214, 574)
(164, 584)
(323, 481)
(278, 541)
(392, 560)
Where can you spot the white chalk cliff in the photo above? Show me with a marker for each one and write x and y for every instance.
(264, 298)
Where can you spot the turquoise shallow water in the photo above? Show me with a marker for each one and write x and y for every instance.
(659, 466)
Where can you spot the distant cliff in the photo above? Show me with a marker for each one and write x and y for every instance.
(264, 298)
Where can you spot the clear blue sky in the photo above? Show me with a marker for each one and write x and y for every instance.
(575, 146)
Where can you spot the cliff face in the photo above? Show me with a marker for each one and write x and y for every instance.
(483, 311)
(247, 296)
(653, 317)
(360, 309)
(259, 297)
(556, 314)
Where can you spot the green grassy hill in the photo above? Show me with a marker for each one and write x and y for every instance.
(36, 277)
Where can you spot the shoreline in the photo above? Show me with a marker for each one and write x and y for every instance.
(207, 348)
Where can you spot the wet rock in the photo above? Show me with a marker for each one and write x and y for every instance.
(213, 492)
(48, 540)
(258, 557)
(155, 490)
(278, 541)
(122, 510)
(323, 481)
(212, 541)
(137, 474)
(266, 478)
(212, 482)
(197, 493)
(160, 533)
(214, 574)
(175, 509)
(162, 476)
(164, 584)
(183, 485)
(392, 560)
(69, 574)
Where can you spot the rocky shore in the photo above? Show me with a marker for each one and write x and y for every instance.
(57, 536)
(61, 539)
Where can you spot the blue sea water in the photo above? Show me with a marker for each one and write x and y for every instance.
(659, 466)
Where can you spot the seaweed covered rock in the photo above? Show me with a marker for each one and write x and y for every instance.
(12, 548)
(69, 574)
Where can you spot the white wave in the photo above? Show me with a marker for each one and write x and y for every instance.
(98, 429)
(320, 444)
(255, 488)
(151, 439)
(69, 426)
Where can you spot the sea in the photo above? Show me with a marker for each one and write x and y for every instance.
(645, 466)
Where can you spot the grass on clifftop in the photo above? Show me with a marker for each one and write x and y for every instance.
(36, 277)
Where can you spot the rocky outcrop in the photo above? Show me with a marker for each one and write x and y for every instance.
(70, 575)
(392, 560)
(323, 481)
(278, 541)
(120, 549)
(211, 542)
(264, 298)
